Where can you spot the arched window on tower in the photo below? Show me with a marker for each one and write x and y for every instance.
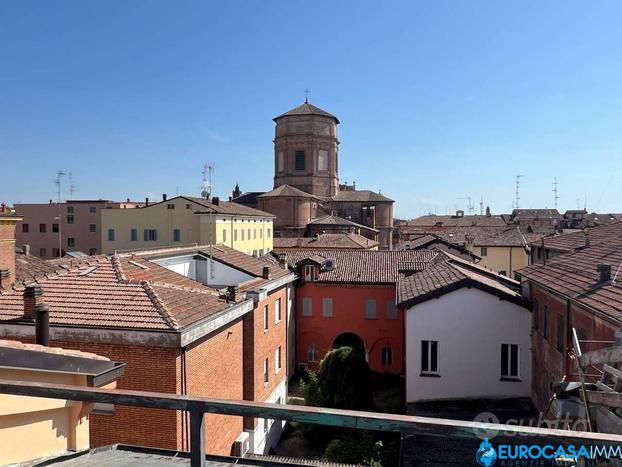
(387, 355)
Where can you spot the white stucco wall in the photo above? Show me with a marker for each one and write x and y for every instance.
(199, 270)
(470, 326)
(261, 441)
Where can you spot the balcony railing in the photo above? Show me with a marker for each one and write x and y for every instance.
(198, 406)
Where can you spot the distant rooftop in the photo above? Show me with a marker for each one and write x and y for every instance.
(307, 109)
(350, 241)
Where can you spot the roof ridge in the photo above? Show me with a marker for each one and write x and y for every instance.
(118, 269)
(206, 291)
(164, 313)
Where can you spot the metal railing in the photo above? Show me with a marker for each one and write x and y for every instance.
(199, 406)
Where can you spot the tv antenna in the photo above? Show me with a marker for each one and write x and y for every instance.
(58, 182)
(206, 185)
(470, 207)
(72, 187)
(555, 195)
(481, 206)
(206, 192)
(517, 205)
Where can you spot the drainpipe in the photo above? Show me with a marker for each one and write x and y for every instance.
(567, 341)
(184, 391)
(543, 253)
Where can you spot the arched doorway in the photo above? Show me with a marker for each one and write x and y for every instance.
(348, 339)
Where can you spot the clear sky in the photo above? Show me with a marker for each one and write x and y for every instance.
(438, 100)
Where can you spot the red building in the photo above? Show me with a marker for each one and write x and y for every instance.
(575, 290)
(348, 298)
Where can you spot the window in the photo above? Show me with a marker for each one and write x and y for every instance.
(111, 235)
(71, 241)
(261, 252)
(536, 314)
(268, 233)
(189, 206)
(370, 308)
(235, 235)
(266, 369)
(70, 209)
(93, 251)
(249, 234)
(25, 228)
(42, 228)
(387, 355)
(150, 235)
(70, 218)
(483, 251)
(176, 235)
(170, 206)
(42, 252)
(391, 309)
(312, 353)
(300, 160)
(327, 307)
(92, 209)
(254, 234)
(503, 272)
(266, 318)
(92, 228)
(55, 228)
(560, 338)
(224, 235)
(277, 359)
(429, 357)
(545, 329)
(322, 160)
(309, 272)
(255, 253)
(242, 234)
(307, 306)
(134, 235)
(280, 161)
(509, 361)
(260, 233)
(277, 311)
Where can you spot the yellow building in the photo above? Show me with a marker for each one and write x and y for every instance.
(36, 427)
(183, 221)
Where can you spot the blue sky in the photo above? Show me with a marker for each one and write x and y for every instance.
(438, 100)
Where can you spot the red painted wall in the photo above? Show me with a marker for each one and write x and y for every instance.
(349, 316)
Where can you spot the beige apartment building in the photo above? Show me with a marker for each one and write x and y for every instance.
(185, 220)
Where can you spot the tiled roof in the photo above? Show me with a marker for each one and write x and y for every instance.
(326, 241)
(336, 220)
(429, 240)
(306, 109)
(448, 273)
(360, 196)
(228, 208)
(574, 275)
(572, 241)
(536, 214)
(457, 221)
(249, 197)
(362, 266)
(489, 236)
(17, 345)
(286, 191)
(102, 291)
(29, 267)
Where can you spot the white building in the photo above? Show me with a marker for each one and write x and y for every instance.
(467, 333)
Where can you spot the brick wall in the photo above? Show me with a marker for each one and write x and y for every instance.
(214, 369)
(260, 344)
(7, 250)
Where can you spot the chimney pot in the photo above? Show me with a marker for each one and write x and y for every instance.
(266, 272)
(42, 324)
(147, 201)
(164, 196)
(32, 297)
(586, 234)
(604, 272)
(216, 201)
(232, 291)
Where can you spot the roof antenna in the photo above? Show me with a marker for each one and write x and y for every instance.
(307, 96)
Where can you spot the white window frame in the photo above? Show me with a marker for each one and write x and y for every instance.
(277, 360)
(322, 160)
(277, 311)
(508, 374)
(309, 272)
(428, 371)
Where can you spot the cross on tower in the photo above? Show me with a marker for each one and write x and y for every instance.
(307, 96)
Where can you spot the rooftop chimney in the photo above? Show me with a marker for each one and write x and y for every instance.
(42, 324)
(487, 211)
(164, 196)
(26, 249)
(604, 272)
(147, 201)
(586, 234)
(232, 292)
(8, 221)
(216, 201)
(33, 294)
(266, 272)
(460, 213)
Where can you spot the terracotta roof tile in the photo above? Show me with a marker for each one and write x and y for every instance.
(286, 191)
(327, 241)
(572, 241)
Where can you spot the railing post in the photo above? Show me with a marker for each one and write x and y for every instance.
(197, 437)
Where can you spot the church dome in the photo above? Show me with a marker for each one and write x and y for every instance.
(307, 109)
